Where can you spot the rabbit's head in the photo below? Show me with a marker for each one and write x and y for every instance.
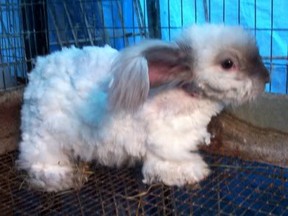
(227, 65)
(216, 61)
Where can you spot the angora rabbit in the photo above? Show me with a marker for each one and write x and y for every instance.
(150, 102)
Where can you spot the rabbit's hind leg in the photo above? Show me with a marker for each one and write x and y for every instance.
(51, 170)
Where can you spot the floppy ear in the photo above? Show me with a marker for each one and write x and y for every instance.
(139, 68)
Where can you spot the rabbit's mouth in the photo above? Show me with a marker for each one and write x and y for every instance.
(192, 89)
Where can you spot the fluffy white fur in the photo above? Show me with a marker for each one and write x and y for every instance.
(121, 107)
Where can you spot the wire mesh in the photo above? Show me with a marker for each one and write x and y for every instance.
(31, 28)
(12, 50)
(235, 187)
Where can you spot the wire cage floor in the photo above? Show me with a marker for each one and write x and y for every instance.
(234, 187)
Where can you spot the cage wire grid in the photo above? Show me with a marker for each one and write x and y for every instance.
(234, 187)
(30, 28)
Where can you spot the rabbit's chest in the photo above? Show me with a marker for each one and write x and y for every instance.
(183, 122)
(180, 111)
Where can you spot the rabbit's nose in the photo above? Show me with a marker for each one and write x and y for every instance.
(263, 73)
(266, 75)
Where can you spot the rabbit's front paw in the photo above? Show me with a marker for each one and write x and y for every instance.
(175, 173)
(207, 138)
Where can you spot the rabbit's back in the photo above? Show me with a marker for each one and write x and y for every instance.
(69, 71)
(66, 97)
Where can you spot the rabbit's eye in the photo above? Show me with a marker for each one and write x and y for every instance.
(227, 64)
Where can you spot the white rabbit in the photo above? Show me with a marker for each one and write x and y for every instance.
(151, 102)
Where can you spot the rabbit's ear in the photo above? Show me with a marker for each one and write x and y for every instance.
(168, 64)
(149, 64)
